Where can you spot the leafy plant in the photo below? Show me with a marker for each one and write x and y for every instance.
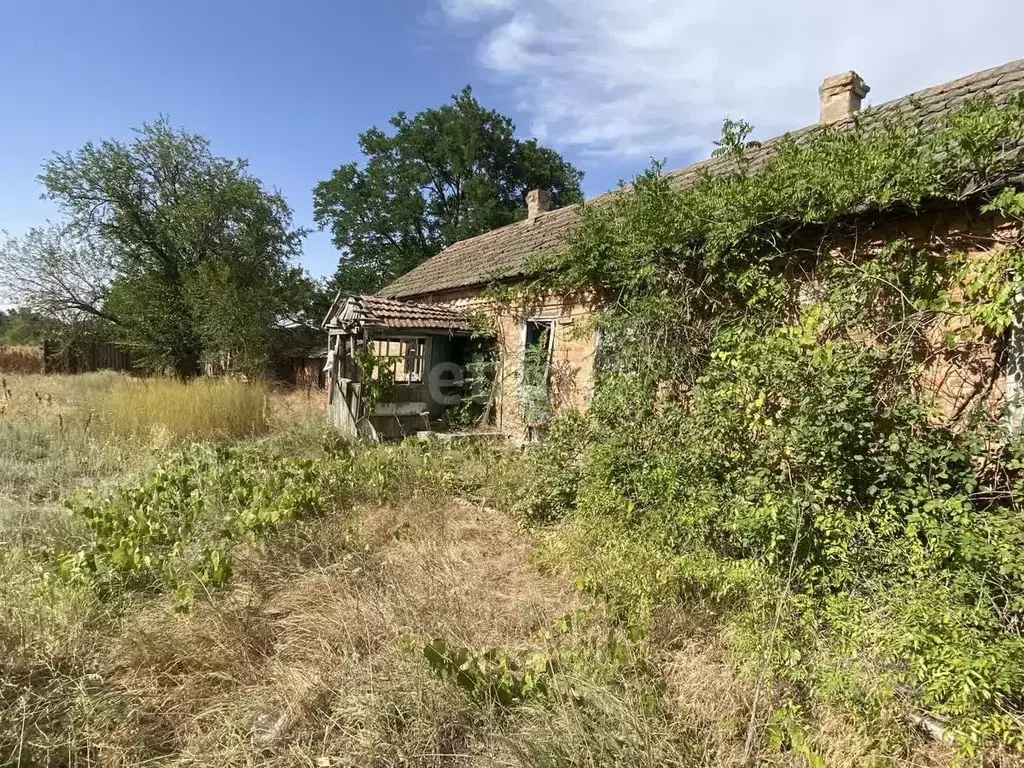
(763, 442)
(489, 674)
(376, 376)
(177, 527)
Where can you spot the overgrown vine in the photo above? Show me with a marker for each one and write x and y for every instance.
(802, 359)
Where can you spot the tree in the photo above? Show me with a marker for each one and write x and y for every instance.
(24, 327)
(441, 176)
(57, 274)
(184, 254)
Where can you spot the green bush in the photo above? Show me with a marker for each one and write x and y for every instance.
(760, 445)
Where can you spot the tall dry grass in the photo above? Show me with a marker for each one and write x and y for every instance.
(57, 432)
(61, 432)
(20, 359)
(49, 445)
(128, 407)
(171, 411)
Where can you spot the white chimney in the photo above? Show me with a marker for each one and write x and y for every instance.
(538, 201)
(841, 96)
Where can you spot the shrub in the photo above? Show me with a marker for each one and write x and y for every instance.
(760, 442)
(176, 527)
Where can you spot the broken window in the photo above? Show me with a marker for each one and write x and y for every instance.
(406, 358)
(538, 333)
(1015, 377)
(538, 345)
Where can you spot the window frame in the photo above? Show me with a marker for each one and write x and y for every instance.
(551, 323)
(417, 349)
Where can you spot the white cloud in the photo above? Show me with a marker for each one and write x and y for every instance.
(654, 77)
(465, 10)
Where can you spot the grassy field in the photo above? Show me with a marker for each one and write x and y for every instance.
(241, 588)
(317, 649)
(61, 432)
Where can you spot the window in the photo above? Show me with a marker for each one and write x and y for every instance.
(1014, 362)
(539, 333)
(538, 338)
(406, 357)
(1015, 377)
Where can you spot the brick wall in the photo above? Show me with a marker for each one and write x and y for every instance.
(572, 360)
(972, 371)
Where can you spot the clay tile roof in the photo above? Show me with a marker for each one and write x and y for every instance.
(506, 252)
(377, 312)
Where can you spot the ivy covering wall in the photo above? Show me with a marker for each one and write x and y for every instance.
(764, 445)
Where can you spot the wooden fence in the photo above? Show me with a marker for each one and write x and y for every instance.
(85, 356)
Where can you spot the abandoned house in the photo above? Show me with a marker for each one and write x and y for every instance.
(412, 349)
(420, 323)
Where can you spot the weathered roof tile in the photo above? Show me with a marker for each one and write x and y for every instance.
(361, 311)
(507, 252)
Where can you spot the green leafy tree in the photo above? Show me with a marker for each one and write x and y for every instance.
(197, 256)
(441, 176)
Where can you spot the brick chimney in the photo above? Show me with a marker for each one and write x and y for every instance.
(538, 201)
(841, 96)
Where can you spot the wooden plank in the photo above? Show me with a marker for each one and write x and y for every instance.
(400, 409)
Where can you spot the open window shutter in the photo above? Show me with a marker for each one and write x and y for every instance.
(1015, 371)
(551, 344)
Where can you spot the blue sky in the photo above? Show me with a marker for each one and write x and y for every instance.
(609, 83)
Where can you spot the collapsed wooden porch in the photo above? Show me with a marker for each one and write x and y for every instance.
(392, 366)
